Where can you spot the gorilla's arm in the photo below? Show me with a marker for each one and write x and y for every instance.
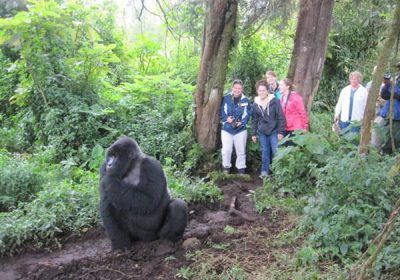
(143, 198)
(119, 236)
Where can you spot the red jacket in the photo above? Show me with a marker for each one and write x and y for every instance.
(295, 112)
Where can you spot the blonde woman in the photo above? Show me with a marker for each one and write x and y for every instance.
(351, 103)
(273, 85)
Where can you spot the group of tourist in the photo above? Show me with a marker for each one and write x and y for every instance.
(277, 111)
(350, 108)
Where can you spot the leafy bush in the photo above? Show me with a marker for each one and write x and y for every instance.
(294, 166)
(268, 49)
(155, 111)
(388, 260)
(63, 58)
(351, 205)
(19, 181)
(190, 190)
(55, 212)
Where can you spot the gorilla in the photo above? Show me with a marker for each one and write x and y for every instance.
(135, 201)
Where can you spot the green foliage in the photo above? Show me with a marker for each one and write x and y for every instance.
(19, 181)
(267, 49)
(185, 61)
(266, 197)
(249, 64)
(11, 139)
(358, 27)
(307, 256)
(8, 81)
(235, 272)
(229, 229)
(388, 260)
(155, 110)
(97, 157)
(72, 86)
(351, 205)
(195, 157)
(347, 199)
(63, 58)
(146, 57)
(56, 211)
(294, 166)
(190, 190)
(184, 272)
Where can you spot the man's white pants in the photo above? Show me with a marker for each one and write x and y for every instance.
(239, 141)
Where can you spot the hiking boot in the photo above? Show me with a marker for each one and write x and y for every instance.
(226, 170)
(241, 171)
(263, 174)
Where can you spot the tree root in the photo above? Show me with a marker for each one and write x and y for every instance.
(235, 212)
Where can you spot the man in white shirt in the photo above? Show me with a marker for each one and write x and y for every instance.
(351, 103)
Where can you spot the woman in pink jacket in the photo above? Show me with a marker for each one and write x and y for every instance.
(293, 108)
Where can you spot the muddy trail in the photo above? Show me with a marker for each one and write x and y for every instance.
(208, 247)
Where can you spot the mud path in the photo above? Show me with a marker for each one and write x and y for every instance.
(205, 243)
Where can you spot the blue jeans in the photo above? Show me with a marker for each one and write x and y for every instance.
(344, 125)
(269, 145)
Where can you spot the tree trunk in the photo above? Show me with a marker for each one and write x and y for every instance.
(369, 113)
(308, 56)
(217, 37)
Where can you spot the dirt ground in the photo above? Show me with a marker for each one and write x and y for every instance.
(219, 239)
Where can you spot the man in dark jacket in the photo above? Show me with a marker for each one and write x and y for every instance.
(384, 113)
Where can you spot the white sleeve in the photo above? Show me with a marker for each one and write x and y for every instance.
(338, 107)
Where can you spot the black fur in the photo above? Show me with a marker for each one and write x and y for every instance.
(135, 201)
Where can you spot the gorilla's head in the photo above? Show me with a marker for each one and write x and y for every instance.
(121, 155)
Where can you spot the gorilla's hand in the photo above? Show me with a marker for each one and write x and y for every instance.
(110, 186)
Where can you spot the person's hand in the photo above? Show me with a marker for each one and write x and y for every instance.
(280, 137)
(230, 119)
(238, 124)
(336, 119)
(254, 138)
(304, 130)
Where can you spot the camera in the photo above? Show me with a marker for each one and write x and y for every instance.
(235, 123)
(387, 76)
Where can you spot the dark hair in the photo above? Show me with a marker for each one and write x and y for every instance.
(289, 83)
(261, 83)
(237, 82)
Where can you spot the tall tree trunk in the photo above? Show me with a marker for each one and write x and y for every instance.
(310, 45)
(217, 37)
(369, 112)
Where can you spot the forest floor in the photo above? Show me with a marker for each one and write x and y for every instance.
(225, 240)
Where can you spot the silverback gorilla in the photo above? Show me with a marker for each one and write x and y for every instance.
(135, 201)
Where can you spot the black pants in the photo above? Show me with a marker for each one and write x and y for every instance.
(288, 142)
(387, 148)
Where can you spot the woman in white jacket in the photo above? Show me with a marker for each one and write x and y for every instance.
(351, 104)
